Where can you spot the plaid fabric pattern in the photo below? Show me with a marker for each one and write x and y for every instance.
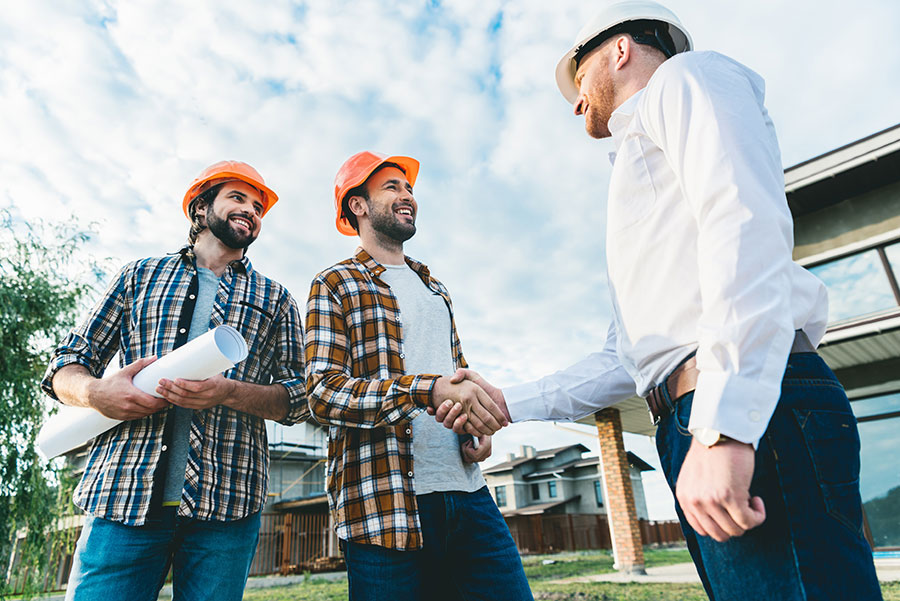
(357, 386)
(147, 311)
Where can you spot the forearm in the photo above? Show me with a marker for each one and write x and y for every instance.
(72, 385)
(268, 401)
(338, 400)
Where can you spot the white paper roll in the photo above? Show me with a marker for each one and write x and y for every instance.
(203, 357)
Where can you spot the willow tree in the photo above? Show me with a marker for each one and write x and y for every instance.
(44, 281)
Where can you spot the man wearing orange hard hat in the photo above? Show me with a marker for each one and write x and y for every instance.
(181, 481)
(406, 493)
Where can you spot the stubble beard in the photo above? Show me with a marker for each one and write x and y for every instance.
(596, 121)
(224, 231)
(387, 226)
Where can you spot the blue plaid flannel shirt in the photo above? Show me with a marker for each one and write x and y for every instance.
(147, 310)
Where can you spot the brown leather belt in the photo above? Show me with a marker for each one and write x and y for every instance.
(684, 380)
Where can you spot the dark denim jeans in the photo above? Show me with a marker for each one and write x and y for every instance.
(811, 546)
(468, 553)
(210, 560)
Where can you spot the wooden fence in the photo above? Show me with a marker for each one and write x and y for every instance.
(572, 532)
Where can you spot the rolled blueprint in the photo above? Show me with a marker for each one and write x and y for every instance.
(203, 357)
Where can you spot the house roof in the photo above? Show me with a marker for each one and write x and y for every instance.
(539, 508)
(635, 461)
(545, 454)
(850, 170)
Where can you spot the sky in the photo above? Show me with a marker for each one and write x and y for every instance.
(109, 109)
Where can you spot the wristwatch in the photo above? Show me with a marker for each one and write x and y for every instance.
(707, 436)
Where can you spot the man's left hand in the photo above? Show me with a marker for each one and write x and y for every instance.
(197, 394)
(473, 455)
(713, 489)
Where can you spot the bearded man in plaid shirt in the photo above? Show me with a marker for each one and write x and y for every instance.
(410, 505)
(181, 482)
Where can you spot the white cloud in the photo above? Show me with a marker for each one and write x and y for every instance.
(108, 109)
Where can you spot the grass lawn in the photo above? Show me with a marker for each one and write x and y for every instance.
(566, 565)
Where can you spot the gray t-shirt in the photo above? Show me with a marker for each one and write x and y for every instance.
(181, 428)
(438, 464)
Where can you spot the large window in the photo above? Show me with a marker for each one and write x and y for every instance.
(879, 482)
(861, 283)
(500, 495)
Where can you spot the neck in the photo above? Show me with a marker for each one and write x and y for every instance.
(637, 80)
(386, 251)
(212, 254)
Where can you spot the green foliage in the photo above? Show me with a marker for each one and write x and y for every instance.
(43, 284)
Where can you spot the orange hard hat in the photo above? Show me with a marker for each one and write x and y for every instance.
(357, 170)
(229, 170)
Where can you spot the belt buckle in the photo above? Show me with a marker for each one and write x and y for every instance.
(655, 406)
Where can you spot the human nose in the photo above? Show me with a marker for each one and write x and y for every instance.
(579, 105)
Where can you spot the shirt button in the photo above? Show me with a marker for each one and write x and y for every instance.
(408, 431)
(402, 356)
(754, 416)
(192, 296)
(165, 448)
(409, 474)
(182, 330)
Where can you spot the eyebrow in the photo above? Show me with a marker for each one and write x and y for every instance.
(396, 182)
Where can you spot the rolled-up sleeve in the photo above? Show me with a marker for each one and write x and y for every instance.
(94, 343)
(335, 397)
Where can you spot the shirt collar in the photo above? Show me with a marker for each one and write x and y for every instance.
(186, 252)
(622, 116)
(376, 268)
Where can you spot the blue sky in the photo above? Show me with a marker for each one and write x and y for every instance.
(109, 109)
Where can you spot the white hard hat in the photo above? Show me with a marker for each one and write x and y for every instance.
(608, 18)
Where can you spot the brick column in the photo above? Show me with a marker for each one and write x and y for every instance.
(624, 528)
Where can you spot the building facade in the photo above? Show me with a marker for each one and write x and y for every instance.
(846, 208)
(557, 481)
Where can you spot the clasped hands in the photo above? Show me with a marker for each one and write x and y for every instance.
(467, 404)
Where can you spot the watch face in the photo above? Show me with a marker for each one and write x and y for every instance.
(706, 436)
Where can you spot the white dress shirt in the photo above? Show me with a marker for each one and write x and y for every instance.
(699, 241)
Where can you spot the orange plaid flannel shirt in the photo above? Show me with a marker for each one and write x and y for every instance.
(358, 387)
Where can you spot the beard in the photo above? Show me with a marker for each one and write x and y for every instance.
(386, 224)
(596, 120)
(226, 233)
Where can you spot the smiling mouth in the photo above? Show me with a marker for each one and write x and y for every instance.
(242, 222)
(405, 212)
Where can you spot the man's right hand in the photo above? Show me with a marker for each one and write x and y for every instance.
(451, 414)
(117, 397)
(483, 416)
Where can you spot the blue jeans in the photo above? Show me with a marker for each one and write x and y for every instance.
(811, 546)
(209, 560)
(467, 553)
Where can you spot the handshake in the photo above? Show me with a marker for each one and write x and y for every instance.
(467, 404)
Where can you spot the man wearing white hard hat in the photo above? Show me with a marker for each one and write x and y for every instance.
(713, 323)
(181, 482)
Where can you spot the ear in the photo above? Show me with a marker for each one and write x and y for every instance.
(622, 52)
(358, 206)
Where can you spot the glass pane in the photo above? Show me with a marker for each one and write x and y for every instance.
(893, 255)
(857, 285)
(876, 405)
(879, 481)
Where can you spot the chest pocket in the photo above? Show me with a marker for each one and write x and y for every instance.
(252, 320)
(631, 192)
